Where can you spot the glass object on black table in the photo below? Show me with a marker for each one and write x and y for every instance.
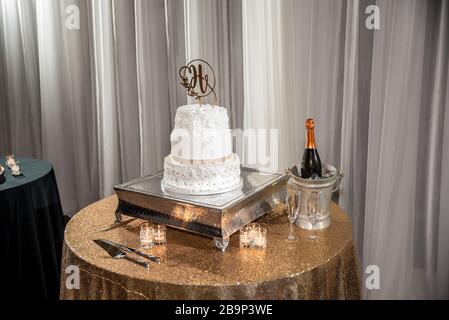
(10, 160)
(15, 169)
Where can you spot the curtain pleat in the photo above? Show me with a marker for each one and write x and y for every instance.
(68, 117)
(126, 88)
(355, 115)
(153, 79)
(176, 51)
(20, 121)
(213, 32)
(105, 103)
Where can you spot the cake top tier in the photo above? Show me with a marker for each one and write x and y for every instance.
(204, 116)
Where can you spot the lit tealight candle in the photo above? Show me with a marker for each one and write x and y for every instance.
(245, 239)
(160, 234)
(146, 235)
(260, 239)
(253, 236)
(253, 229)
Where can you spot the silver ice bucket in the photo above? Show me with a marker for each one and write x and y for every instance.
(329, 183)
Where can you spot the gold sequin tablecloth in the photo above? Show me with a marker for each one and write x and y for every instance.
(193, 268)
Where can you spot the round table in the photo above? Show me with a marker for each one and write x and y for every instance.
(192, 268)
(31, 231)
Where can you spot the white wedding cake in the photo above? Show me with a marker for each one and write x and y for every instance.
(201, 161)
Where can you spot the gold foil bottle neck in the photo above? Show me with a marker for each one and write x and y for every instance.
(310, 126)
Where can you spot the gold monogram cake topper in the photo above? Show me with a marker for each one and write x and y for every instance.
(198, 79)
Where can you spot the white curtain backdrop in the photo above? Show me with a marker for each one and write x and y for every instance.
(381, 107)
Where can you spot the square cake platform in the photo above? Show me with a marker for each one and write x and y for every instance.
(217, 216)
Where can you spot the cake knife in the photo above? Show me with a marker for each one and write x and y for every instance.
(132, 250)
(118, 253)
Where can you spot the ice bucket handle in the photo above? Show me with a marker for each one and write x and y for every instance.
(338, 182)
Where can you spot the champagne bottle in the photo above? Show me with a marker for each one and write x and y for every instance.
(311, 163)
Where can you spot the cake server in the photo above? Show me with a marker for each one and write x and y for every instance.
(118, 253)
(132, 250)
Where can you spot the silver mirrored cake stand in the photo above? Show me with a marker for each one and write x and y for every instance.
(217, 216)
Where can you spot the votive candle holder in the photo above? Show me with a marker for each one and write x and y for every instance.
(245, 237)
(260, 239)
(160, 234)
(253, 236)
(146, 235)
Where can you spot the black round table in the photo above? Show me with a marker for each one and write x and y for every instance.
(31, 231)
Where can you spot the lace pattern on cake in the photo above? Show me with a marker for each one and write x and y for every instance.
(202, 178)
(202, 141)
(205, 116)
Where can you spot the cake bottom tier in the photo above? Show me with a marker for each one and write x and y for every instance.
(201, 178)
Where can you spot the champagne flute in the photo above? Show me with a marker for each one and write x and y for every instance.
(293, 208)
(314, 210)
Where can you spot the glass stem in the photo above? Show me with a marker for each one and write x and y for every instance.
(291, 229)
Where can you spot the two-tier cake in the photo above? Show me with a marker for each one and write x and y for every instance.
(201, 161)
